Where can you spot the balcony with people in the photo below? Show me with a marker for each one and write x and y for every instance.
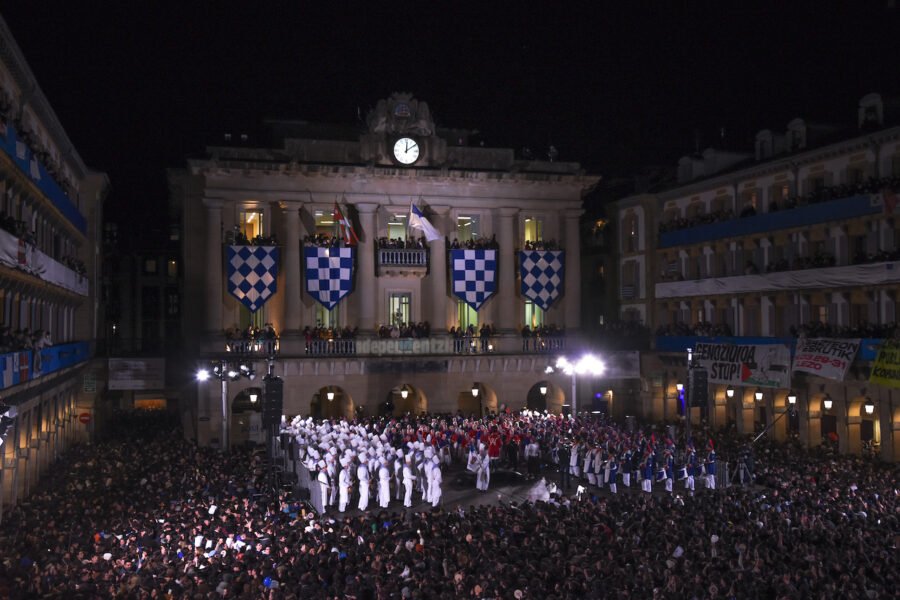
(399, 256)
(259, 342)
(27, 355)
(792, 211)
(21, 249)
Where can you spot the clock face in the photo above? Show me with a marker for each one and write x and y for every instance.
(406, 151)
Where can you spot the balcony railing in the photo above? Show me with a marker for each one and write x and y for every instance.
(332, 347)
(25, 365)
(261, 348)
(403, 257)
(628, 292)
(17, 254)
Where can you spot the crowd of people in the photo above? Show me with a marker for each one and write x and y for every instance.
(701, 328)
(400, 244)
(475, 244)
(252, 339)
(541, 245)
(422, 329)
(324, 240)
(543, 337)
(864, 329)
(824, 194)
(148, 515)
(23, 339)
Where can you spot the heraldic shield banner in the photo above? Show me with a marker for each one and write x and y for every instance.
(474, 275)
(329, 274)
(542, 275)
(252, 273)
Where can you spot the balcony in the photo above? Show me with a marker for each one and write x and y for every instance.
(801, 216)
(404, 262)
(24, 365)
(628, 292)
(15, 253)
(878, 273)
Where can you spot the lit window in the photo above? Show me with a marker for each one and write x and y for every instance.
(325, 223)
(467, 315)
(534, 315)
(467, 228)
(397, 228)
(251, 223)
(327, 318)
(399, 308)
(534, 229)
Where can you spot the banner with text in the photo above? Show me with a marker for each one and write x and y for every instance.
(764, 365)
(886, 370)
(825, 357)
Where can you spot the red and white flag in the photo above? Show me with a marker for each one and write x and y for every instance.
(350, 237)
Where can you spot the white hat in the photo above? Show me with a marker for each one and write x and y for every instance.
(399, 452)
(435, 459)
(321, 464)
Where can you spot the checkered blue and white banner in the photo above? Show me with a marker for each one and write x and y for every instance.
(329, 274)
(542, 275)
(474, 275)
(252, 274)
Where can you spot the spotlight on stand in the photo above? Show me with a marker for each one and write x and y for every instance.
(202, 374)
(247, 370)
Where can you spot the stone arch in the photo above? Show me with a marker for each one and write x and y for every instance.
(552, 401)
(861, 427)
(895, 435)
(340, 406)
(482, 404)
(415, 402)
(246, 418)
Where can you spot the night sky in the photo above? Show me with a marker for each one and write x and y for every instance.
(139, 89)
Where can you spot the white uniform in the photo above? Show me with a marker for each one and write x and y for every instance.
(332, 475)
(324, 484)
(362, 475)
(384, 485)
(436, 480)
(573, 462)
(483, 479)
(409, 480)
(344, 481)
(398, 472)
(586, 467)
(426, 479)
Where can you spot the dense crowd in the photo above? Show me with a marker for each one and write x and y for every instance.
(148, 515)
(422, 329)
(541, 245)
(701, 328)
(479, 244)
(824, 194)
(399, 243)
(860, 330)
(323, 240)
(23, 339)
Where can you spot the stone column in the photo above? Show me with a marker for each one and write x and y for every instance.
(291, 266)
(366, 276)
(573, 269)
(214, 278)
(437, 315)
(507, 303)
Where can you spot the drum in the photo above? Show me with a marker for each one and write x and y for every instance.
(682, 473)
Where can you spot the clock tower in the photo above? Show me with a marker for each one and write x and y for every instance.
(401, 132)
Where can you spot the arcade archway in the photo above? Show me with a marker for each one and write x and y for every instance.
(863, 427)
(406, 399)
(478, 400)
(545, 396)
(331, 402)
(246, 421)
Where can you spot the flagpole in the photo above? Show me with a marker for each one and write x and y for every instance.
(408, 218)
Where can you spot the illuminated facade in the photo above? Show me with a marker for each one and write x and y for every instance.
(50, 208)
(798, 239)
(288, 190)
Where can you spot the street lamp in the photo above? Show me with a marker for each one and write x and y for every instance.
(543, 390)
(827, 402)
(404, 393)
(869, 406)
(792, 398)
(225, 371)
(330, 395)
(586, 365)
(758, 394)
(679, 386)
(729, 392)
(254, 396)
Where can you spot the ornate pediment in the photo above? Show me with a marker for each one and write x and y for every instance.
(401, 114)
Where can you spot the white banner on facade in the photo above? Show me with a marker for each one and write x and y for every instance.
(762, 365)
(825, 357)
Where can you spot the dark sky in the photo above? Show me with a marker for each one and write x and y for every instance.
(141, 86)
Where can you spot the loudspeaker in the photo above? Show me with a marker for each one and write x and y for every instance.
(273, 401)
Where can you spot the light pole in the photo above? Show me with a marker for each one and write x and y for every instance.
(586, 365)
(225, 370)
